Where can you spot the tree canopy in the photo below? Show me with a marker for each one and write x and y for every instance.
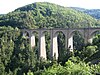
(47, 15)
(16, 56)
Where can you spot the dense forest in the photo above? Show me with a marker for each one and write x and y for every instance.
(16, 56)
(93, 12)
(46, 15)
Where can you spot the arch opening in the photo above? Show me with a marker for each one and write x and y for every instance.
(26, 34)
(35, 43)
(78, 40)
(61, 46)
(46, 35)
(94, 37)
(94, 33)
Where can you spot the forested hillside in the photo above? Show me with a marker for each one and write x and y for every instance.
(16, 56)
(93, 12)
(47, 15)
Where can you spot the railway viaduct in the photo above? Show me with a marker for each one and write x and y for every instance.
(86, 33)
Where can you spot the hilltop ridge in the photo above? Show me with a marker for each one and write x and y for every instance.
(92, 12)
(47, 15)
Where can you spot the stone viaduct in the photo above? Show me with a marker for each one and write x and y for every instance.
(87, 35)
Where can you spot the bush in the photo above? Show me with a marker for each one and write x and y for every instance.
(70, 68)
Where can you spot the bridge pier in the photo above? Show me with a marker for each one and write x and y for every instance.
(90, 40)
(70, 43)
(42, 46)
(87, 37)
(54, 46)
(32, 40)
(66, 42)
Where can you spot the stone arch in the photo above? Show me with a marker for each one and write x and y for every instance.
(73, 36)
(26, 33)
(59, 37)
(47, 41)
(72, 32)
(43, 32)
(56, 32)
(36, 34)
(91, 34)
(42, 43)
(34, 39)
(34, 31)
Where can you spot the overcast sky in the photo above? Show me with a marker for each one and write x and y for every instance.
(9, 5)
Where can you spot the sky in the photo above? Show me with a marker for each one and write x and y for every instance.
(10, 5)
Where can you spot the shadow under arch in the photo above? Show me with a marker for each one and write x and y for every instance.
(78, 39)
(61, 45)
(25, 36)
(35, 42)
(93, 34)
(36, 35)
(46, 34)
(25, 33)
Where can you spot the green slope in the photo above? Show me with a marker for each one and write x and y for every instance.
(92, 12)
(47, 15)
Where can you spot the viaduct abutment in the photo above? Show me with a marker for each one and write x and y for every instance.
(86, 33)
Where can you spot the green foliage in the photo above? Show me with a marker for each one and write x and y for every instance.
(89, 51)
(96, 53)
(46, 15)
(16, 56)
(30, 73)
(70, 68)
(96, 40)
(2, 68)
(95, 68)
(78, 69)
(93, 12)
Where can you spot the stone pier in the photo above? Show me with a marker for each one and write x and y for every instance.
(42, 45)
